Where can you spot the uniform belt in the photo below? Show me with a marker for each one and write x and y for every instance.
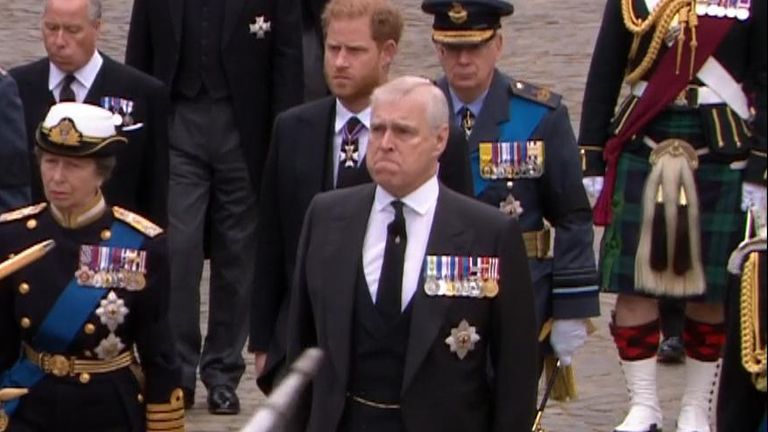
(371, 403)
(691, 97)
(60, 365)
(537, 243)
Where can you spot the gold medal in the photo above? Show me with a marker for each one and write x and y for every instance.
(450, 288)
(490, 288)
(141, 281)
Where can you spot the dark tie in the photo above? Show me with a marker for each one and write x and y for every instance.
(391, 278)
(467, 120)
(348, 154)
(67, 94)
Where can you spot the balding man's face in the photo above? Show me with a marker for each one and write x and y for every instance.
(404, 148)
(69, 34)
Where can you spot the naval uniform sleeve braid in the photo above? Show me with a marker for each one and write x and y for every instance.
(167, 416)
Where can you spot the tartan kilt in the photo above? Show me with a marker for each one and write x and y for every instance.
(721, 220)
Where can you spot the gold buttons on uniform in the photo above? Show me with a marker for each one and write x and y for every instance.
(140, 398)
(106, 234)
(23, 288)
(89, 328)
(25, 322)
(85, 377)
(31, 224)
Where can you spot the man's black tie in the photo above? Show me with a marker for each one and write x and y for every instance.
(391, 279)
(349, 152)
(67, 94)
(467, 120)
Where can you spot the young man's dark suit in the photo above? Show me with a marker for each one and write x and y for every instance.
(299, 166)
(140, 179)
(439, 392)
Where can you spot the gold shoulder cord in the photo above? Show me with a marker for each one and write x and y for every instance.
(661, 17)
(753, 353)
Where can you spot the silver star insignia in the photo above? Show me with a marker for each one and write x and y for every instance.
(511, 206)
(112, 311)
(462, 339)
(260, 26)
(109, 347)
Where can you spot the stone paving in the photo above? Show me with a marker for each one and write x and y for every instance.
(548, 42)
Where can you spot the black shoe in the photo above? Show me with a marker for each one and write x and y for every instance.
(189, 397)
(671, 351)
(222, 399)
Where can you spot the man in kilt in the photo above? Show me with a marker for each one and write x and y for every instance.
(674, 167)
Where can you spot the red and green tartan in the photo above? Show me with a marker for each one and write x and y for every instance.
(721, 219)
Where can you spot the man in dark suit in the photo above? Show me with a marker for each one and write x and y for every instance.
(14, 177)
(76, 71)
(420, 297)
(524, 162)
(308, 155)
(232, 66)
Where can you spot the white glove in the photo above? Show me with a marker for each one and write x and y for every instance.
(753, 197)
(567, 336)
(593, 185)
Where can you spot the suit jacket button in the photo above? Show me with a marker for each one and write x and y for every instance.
(106, 234)
(85, 377)
(31, 224)
(25, 322)
(89, 328)
(23, 288)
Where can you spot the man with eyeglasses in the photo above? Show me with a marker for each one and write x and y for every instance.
(524, 161)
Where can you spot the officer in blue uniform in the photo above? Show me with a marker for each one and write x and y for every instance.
(84, 329)
(524, 161)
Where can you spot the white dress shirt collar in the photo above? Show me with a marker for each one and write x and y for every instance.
(419, 200)
(343, 114)
(85, 76)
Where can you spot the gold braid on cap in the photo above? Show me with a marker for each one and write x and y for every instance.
(753, 354)
(661, 17)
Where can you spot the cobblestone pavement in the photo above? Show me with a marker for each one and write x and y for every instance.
(547, 42)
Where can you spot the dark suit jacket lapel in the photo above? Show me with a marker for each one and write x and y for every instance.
(447, 237)
(310, 147)
(232, 11)
(99, 85)
(494, 112)
(344, 258)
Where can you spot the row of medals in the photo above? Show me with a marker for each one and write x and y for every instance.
(738, 9)
(471, 287)
(130, 280)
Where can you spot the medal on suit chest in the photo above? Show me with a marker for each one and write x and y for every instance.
(260, 27)
(462, 339)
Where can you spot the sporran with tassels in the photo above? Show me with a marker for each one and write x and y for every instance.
(668, 259)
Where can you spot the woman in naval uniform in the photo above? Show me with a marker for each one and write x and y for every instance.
(84, 329)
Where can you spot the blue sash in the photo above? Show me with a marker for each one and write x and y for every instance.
(65, 319)
(524, 116)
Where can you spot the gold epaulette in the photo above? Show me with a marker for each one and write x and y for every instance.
(535, 93)
(167, 417)
(140, 223)
(22, 212)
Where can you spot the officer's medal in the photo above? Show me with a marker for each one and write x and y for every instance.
(462, 339)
